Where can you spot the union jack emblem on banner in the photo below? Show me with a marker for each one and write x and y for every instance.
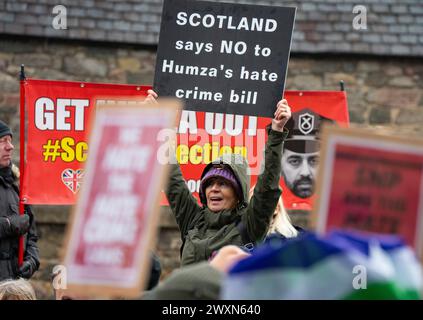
(73, 179)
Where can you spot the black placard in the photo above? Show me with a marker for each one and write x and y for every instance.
(224, 58)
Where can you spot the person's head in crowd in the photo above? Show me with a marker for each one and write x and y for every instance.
(155, 272)
(221, 187)
(300, 157)
(6, 146)
(281, 223)
(19, 289)
(227, 257)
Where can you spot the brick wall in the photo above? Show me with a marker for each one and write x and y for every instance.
(394, 26)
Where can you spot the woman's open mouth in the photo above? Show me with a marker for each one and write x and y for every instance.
(215, 200)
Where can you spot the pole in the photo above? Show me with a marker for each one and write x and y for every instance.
(22, 157)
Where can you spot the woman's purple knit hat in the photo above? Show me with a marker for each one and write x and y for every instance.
(222, 172)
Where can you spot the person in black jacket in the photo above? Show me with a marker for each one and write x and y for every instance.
(13, 225)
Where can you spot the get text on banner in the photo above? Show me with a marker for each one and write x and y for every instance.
(58, 116)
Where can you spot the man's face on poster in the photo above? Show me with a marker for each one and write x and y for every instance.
(299, 171)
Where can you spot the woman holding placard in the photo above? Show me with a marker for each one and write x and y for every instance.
(226, 216)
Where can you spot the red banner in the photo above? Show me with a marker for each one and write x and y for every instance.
(58, 116)
(202, 137)
(59, 113)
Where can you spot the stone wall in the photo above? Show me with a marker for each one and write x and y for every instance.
(394, 26)
(384, 93)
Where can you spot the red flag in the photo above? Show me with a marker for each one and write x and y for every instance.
(58, 116)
